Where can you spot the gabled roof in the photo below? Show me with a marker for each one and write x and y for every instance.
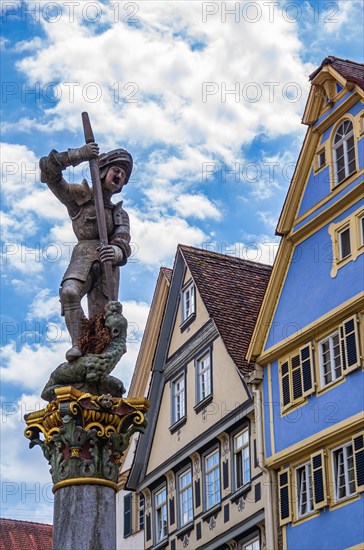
(323, 93)
(349, 74)
(167, 272)
(232, 290)
(350, 70)
(24, 535)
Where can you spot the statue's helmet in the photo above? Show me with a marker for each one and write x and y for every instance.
(117, 157)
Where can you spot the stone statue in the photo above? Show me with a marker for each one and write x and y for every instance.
(85, 273)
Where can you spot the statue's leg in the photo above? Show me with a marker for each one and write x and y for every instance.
(71, 294)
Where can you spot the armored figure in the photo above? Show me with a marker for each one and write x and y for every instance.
(84, 274)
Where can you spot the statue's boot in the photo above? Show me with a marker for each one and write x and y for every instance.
(74, 316)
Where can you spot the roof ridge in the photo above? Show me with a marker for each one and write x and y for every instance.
(222, 256)
(343, 59)
(26, 521)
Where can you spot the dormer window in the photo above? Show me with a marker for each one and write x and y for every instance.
(188, 302)
(344, 151)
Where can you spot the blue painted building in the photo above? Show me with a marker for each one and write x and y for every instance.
(308, 343)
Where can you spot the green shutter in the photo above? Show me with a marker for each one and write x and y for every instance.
(127, 515)
(296, 377)
(286, 392)
(319, 480)
(358, 448)
(285, 512)
(350, 344)
(307, 369)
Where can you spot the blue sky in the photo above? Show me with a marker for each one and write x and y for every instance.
(208, 102)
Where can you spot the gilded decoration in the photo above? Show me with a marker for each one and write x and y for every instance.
(83, 436)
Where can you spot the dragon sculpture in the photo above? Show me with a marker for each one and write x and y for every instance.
(90, 373)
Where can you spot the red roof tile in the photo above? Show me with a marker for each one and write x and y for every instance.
(24, 535)
(350, 70)
(232, 290)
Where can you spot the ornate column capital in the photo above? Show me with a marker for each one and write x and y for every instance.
(83, 436)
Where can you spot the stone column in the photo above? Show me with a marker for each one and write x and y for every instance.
(83, 437)
(84, 518)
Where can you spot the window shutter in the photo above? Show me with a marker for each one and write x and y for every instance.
(127, 515)
(350, 344)
(296, 377)
(286, 392)
(358, 448)
(307, 369)
(319, 480)
(285, 513)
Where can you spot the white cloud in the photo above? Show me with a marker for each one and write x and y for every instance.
(196, 206)
(27, 45)
(170, 109)
(24, 259)
(44, 305)
(26, 481)
(10, 226)
(20, 172)
(31, 367)
(156, 241)
(256, 248)
(339, 13)
(136, 313)
(268, 219)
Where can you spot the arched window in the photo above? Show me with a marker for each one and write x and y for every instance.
(344, 151)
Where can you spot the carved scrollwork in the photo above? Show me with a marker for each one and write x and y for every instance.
(84, 436)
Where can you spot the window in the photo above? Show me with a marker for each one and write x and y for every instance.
(178, 398)
(188, 302)
(212, 479)
(344, 242)
(311, 490)
(185, 497)
(203, 366)
(339, 352)
(241, 458)
(344, 151)
(160, 508)
(320, 159)
(304, 496)
(312, 480)
(343, 471)
(361, 231)
(252, 544)
(141, 511)
(296, 377)
(330, 359)
(347, 238)
(127, 515)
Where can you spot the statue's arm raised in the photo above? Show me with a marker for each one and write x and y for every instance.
(51, 168)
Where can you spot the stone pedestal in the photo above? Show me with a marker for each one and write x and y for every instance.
(83, 437)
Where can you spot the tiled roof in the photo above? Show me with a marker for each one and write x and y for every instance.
(167, 272)
(24, 535)
(350, 70)
(232, 290)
